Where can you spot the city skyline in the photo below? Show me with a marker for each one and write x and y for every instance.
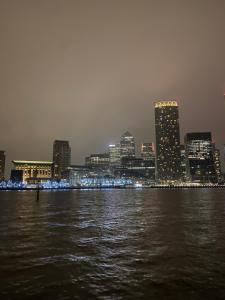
(162, 121)
(112, 149)
(85, 72)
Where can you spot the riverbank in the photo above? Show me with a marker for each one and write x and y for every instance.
(117, 187)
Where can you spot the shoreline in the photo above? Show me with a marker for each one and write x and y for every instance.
(115, 188)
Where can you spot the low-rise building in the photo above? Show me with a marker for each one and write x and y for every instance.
(34, 171)
(137, 168)
(83, 175)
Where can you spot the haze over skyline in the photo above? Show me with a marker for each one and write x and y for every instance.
(86, 71)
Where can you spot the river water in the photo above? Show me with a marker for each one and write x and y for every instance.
(113, 244)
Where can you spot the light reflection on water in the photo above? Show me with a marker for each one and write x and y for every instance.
(113, 244)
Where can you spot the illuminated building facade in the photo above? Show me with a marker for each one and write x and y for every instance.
(137, 168)
(2, 165)
(183, 162)
(217, 164)
(200, 157)
(34, 171)
(114, 155)
(168, 160)
(127, 145)
(79, 174)
(61, 157)
(147, 151)
(100, 160)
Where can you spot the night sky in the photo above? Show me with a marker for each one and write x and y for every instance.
(86, 71)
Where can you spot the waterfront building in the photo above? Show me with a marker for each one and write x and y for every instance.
(147, 151)
(114, 155)
(183, 163)
(168, 160)
(217, 164)
(127, 145)
(200, 157)
(16, 176)
(2, 165)
(100, 160)
(61, 157)
(136, 168)
(34, 171)
(80, 175)
(77, 172)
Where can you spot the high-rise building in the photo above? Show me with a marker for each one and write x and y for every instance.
(127, 145)
(168, 160)
(200, 157)
(2, 165)
(114, 155)
(61, 157)
(147, 151)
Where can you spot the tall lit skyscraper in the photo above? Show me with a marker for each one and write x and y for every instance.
(2, 165)
(127, 145)
(61, 157)
(168, 160)
(200, 157)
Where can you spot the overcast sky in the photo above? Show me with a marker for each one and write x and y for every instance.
(86, 71)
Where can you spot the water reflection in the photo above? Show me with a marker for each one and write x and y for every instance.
(113, 244)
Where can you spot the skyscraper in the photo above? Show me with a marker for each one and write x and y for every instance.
(127, 145)
(200, 157)
(168, 160)
(61, 157)
(2, 165)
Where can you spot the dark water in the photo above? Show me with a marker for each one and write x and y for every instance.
(113, 244)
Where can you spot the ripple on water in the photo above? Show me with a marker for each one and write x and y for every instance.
(149, 244)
